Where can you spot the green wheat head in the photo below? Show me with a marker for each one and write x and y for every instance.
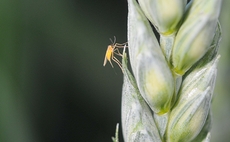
(168, 96)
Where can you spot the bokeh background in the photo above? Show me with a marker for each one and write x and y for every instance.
(53, 87)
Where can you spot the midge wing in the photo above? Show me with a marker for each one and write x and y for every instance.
(108, 55)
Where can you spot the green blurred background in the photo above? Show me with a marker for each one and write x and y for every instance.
(53, 87)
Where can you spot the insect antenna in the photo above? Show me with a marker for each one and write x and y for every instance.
(113, 41)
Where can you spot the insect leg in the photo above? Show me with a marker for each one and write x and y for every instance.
(117, 52)
(119, 45)
(118, 62)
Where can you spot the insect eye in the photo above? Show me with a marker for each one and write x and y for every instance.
(110, 47)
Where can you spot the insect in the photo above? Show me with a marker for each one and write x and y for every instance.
(111, 50)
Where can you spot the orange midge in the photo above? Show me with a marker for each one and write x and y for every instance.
(111, 50)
